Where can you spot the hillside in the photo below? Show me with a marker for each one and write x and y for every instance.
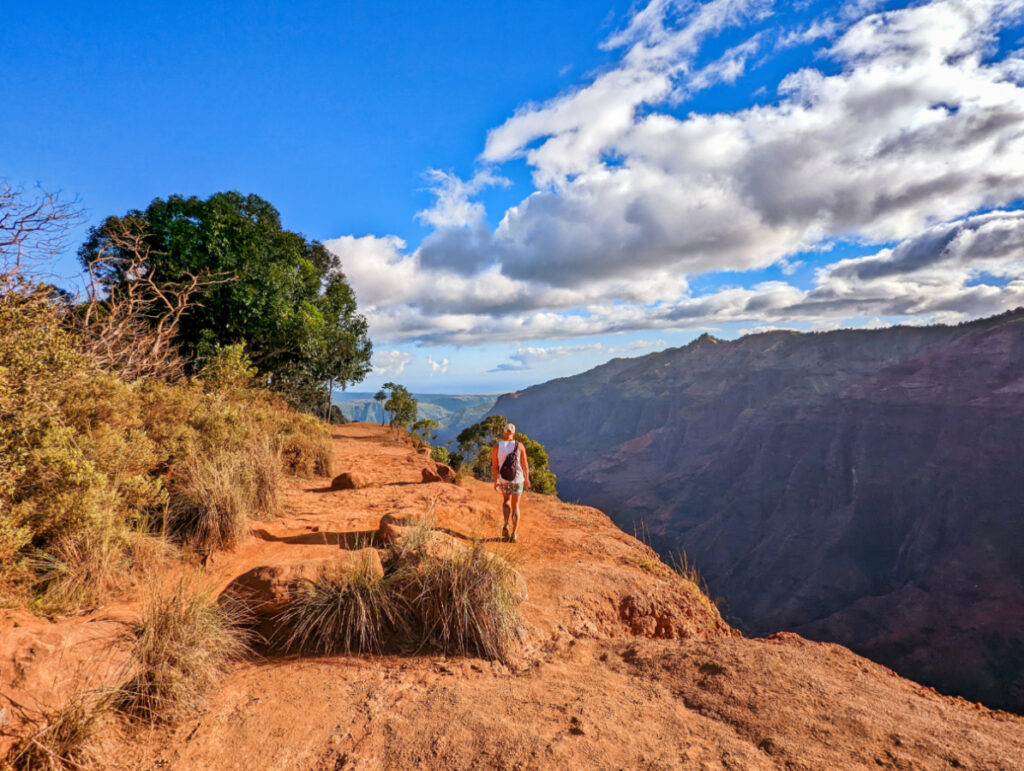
(624, 664)
(452, 411)
(855, 486)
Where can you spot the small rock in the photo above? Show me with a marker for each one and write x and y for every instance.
(429, 475)
(446, 473)
(349, 481)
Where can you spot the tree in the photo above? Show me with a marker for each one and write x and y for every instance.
(477, 441)
(401, 405)
(426, 429)
(287, 299)
(380, 396)
(32, 228)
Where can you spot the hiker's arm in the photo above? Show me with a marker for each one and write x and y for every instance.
(526, 465)
(494, 464)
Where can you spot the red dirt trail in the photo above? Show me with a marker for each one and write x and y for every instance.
(625, 666)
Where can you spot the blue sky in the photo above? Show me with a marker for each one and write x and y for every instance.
(522, 191)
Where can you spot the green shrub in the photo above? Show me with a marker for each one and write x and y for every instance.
(182, 645)
(440, 454)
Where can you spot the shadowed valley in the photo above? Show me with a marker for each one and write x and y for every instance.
(862, 487)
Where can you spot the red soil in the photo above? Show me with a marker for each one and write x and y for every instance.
(624, 666)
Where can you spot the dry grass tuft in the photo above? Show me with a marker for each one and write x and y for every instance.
(419, 530)
(266, 476)
(182, 645)
(466, 603)
(305, 446)
(345, 611)
(65, 742)
(210, 504)
(87, 568)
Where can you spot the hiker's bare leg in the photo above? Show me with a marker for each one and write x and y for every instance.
(513, 517)
(506, 510)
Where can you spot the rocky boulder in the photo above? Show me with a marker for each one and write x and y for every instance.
(349, 481)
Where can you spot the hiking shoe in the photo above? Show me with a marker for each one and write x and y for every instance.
(504, 533)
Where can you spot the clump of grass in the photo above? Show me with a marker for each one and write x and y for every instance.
(419, 530)
(86, 568)
(343, 611)
(649, 564)
(304, 444)
(182, 645)
(210, 503)
(463, 474)
(265, 469)
(466, 603)
(65, 742)
(82, 569)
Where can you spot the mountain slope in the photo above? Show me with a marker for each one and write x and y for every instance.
(452, 411)
(857, 486)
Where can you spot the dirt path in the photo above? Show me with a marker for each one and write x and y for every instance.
(626, 665)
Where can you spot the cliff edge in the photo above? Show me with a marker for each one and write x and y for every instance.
(624, 663)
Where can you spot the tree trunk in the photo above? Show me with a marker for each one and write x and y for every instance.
(330, 399)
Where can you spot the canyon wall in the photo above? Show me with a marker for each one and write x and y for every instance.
(864, 487)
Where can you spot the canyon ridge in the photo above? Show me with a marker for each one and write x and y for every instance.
(857, 486)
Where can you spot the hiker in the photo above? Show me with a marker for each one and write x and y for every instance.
(511, 473)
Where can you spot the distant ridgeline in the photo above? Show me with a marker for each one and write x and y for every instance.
(860, 486)
(453, 411)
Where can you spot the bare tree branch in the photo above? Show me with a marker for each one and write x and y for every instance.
(129, 326)
(32, 228)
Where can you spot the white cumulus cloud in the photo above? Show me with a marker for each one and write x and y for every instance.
(916, 125)
(390, 363)
(437, 367)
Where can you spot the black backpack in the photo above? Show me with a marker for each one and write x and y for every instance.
(510, 466)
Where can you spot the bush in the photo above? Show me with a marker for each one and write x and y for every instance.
(466, 603)
(89, 463)
(440, 454)
(345, 611)
(183, 644)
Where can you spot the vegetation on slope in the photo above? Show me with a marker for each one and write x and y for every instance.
(111, 458)
(476, 442)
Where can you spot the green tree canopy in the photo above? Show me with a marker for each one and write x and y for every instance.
(401, 404)
(476, 442)
(283, 296)
(426, 429)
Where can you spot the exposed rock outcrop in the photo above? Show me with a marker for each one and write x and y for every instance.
(857, 486)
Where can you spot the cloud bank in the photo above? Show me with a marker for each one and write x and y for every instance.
(909, 135)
